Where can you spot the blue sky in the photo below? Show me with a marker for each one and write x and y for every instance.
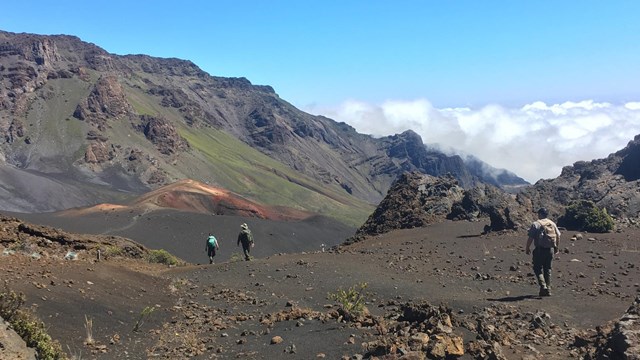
(340, 58)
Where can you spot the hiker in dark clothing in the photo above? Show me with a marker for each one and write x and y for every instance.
(545, 235)
(211, 247)
(246, 239)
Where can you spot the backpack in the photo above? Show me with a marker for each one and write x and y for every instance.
(547, 236)
(212, 242)
(245, 236)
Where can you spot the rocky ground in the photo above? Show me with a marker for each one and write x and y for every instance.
(443, 290)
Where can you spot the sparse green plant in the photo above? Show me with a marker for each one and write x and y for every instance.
(236, 257)
(352, 300)
(74, 354)
(113, 251)
(28, 327)
(162, 256)
(35, 335)
(192, 344)
(142, 317)
(486, 250)
(584, 215)
(88, 326)
(19, 246)
(10, 302)
(178, 283)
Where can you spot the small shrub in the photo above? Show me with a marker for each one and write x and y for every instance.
(144, 315)
(352, 301)
(162, 257)
(113, 251)
(10, 302)
(236, 257)
(34, 333)
(584, 215)
(28, 327)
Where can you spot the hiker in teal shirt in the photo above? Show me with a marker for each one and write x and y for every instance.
(212, 246)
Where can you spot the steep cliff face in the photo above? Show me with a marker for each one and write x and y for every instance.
(71, 108)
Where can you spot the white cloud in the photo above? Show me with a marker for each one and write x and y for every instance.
(632, 105)
(565, 108)
(534, 141)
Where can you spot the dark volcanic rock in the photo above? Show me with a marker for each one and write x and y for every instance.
(414, 200)
(164, 135)
(417, 200)
(624, 340)
(106, 101)
(504, 210)
(98, 152)
(15, 233)
(612, 183)
(12, 346)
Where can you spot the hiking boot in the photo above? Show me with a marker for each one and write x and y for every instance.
(544, 292)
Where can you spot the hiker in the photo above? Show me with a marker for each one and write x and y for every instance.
(211, 247)
(545, 236)
(246, 239)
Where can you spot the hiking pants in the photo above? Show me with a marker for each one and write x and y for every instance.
(246, 249)
(211, 253)
(542, 258)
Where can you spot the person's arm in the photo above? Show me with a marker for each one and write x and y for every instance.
(557, 248)
(533, 232)
(529, 241)
(239, 239)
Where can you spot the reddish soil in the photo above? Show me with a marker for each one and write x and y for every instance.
(193, 196)
(235, 309)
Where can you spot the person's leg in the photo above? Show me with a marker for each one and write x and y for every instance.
(546, 267)
(537, 270)
(246, 250)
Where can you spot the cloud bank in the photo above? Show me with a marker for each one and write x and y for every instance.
(534, 141)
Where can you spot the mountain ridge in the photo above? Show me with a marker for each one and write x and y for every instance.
(136, 122)
(416, 200)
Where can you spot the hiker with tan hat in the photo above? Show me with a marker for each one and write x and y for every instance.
(246, 239)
